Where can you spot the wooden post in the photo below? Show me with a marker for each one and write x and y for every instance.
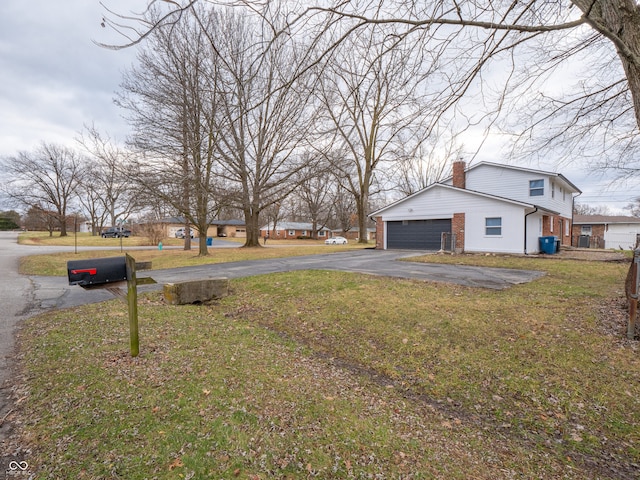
(633, 295)
(132, 300)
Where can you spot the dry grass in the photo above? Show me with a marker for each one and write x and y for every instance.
(337, 375)
(56, 264)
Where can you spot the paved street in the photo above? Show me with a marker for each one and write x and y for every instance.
(22, 296)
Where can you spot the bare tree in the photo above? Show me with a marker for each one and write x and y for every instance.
(345, 209)
(106, 193)
(605, 107)
(584, 209)
(425, 163)
(46, 179)
(265, 115)
(172, 101)
(315, 192)
(371, 91)
(634, 207)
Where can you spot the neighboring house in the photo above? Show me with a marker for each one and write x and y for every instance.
(487, 207)
(217, 228)
(287, 230)
(230, 228)
(605, 231)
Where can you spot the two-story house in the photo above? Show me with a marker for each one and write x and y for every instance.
(487, 207)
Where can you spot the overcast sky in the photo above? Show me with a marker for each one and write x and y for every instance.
(55, 80)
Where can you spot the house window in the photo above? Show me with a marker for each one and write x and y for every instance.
(292, 233)
(322, 233)
(553, 190)
(493, 226)
(536, 188)
(585, 230)
(304, 233)
(566, 228)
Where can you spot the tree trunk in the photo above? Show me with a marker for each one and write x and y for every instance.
(203, 250)
(63, 225)
(252, 219)
(361, 208)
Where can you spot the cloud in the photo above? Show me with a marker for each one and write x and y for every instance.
(55, 78)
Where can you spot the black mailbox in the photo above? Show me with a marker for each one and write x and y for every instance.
(96, 271)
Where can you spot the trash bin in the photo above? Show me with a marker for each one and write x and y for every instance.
(209, 241)
(548, 244)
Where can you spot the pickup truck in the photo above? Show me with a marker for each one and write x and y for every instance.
(115, 232)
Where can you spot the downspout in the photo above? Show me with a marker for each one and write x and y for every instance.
(525, 228)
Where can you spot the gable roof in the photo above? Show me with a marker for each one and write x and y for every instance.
(603, 219)
(462, 190)
(520, 169)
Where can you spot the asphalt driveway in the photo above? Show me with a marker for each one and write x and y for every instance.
(53, 292)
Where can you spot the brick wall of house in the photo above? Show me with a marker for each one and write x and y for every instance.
(558, 229)
(457, 227)
(379, 233)
(596, 230)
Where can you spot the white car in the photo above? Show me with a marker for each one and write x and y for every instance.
(180, 233)
(336, 241)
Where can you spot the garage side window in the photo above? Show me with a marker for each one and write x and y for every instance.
(536, 188)
(493, 226)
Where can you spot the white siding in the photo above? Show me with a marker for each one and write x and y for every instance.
(432, 203)
(621, 235)
(514, 184)
(534, 232)
(441, 202)
(512, 238)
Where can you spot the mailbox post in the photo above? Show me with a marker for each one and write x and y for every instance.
(132, 301)
(110, 273)
(633, 294)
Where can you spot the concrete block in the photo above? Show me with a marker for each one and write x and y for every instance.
(196, 291)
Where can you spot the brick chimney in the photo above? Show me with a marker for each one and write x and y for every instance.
(459, 167)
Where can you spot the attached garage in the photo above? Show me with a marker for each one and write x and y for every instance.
(417, 234)
(485, 208)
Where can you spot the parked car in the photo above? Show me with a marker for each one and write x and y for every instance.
(336, 241)
(115, 232)
(180, 233)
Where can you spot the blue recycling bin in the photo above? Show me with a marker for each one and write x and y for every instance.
(209, 241)
(548, 244)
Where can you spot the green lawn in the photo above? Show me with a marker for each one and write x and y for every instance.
(337, 375)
